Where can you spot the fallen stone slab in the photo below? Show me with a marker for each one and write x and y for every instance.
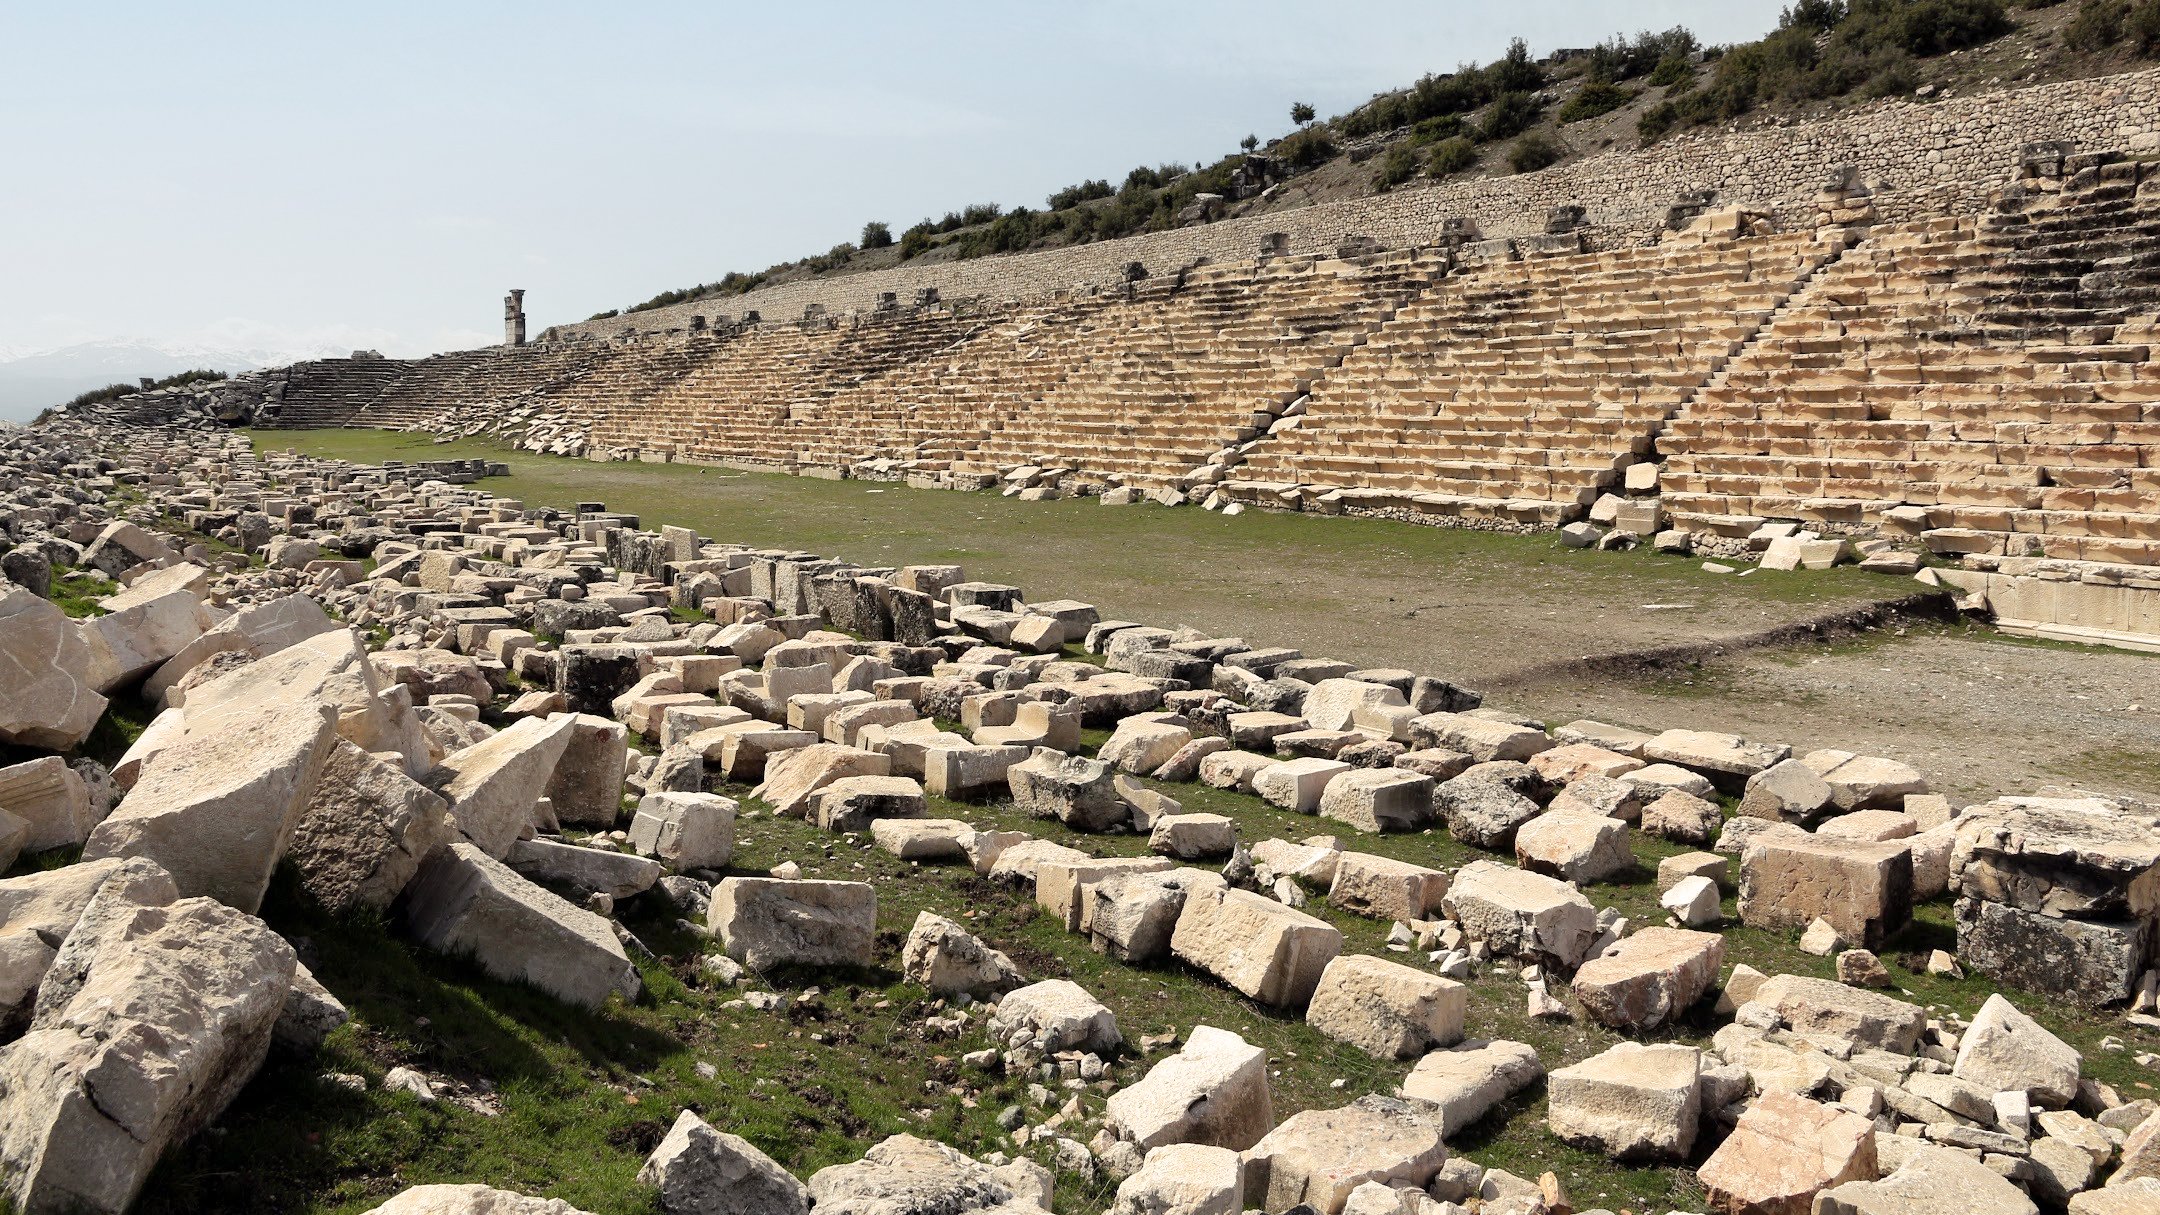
(1482, 810)
(1385, 888)
(491, 786)
(1931, 1181)
(1683, 817)
(151, 1020)
(1790, 879)
(1184, 1179)
(1725, 758)
(471, 1200)
(1468, 1081)
(923, 839)
(1783, 1152)
(51, 800)
(1574, 847)
(467, 902)
(907, 1174)
(1866, 782)
(1788, 791)
(1055, 1015)
(46, 697)
(128, 643)
(1523, 915)
(1822, 1008)
(1271, 953)
(1062, 886)
(948, 960)
(1386, 1009)
(2091, 962)
(1647, 980)
(217, 807)
(1299, 785)
(1633, 1102)
(2078, 857)
(584, 871)
(1073, 789)
(1131, 915)
(1139, 746)
(2003, 1050)
(364, 831)
(2136, 1196)
(1482, 739)
(792, 776)
(1192, 837)
(769, 922)
(1317, 1157)
(587, 784)
(852, 803)
(702, 1171)
(1214, 1091)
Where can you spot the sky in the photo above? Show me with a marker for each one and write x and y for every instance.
(305, 176)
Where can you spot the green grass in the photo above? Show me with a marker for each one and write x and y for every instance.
(580, 1099)
(78, 592)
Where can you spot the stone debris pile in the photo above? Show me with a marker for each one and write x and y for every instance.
(500, 725)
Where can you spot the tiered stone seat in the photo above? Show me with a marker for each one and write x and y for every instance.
(1994, 377)
(1156, 386)
(1534, 382)
(330, 392)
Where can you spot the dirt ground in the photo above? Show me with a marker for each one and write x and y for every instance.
(1516, 616)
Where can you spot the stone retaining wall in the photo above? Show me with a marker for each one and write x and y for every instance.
(1922, 158)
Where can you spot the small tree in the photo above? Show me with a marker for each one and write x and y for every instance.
(875, 235)
(1249, 142)
(1301, 113)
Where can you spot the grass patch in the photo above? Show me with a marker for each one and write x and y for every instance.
(78, 592)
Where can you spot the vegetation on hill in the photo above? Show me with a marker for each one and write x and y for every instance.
(113, 392)
(1520, 114)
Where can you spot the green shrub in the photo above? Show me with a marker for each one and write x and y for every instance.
(1307, 148)
(1594, 99)
(1301, 113)
(1433, 130)
(1516, 71)
(915, 242)
(1399, 166)
(876, 235)
(1510, 114)
(1936, 27)
(2144, 25)
(1086, 191)
(1672, 70)
(1533, 152)
(1619, 58)
(1450, 156)
(2097, 26)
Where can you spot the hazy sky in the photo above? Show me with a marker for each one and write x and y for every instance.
(272, 175)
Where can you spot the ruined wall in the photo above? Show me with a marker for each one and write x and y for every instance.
(1931, 158)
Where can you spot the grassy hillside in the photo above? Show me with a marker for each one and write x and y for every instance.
(1531, 109)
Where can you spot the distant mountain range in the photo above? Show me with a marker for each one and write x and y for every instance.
(31, 381)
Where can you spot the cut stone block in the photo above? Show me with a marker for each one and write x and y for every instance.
(853, 802)
(1385, 888)
(1574, 847)
(1386, 1009)
(1379, 799)
(50, 799)
(1074, 790)
(685, 830)
(1270, 952)
(467, 902)
(491, 786)
(701, 1171)
(1318, 1156)
(1297, 784)
(1055, 1015)
(1191, 837)
(1633, 1102)
(1650, 978)
(1130, 915)
(1784, 1151)
(1467, 1082)
(364, 831)
(1524, 915)
(1931, 1181)
(1823, 1008)
(2004, 1050)
(792, 776)
(1788, 880)
(46, 697)
(768, 922)
(1214, 1091)
(217, 807)
(587, 784)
